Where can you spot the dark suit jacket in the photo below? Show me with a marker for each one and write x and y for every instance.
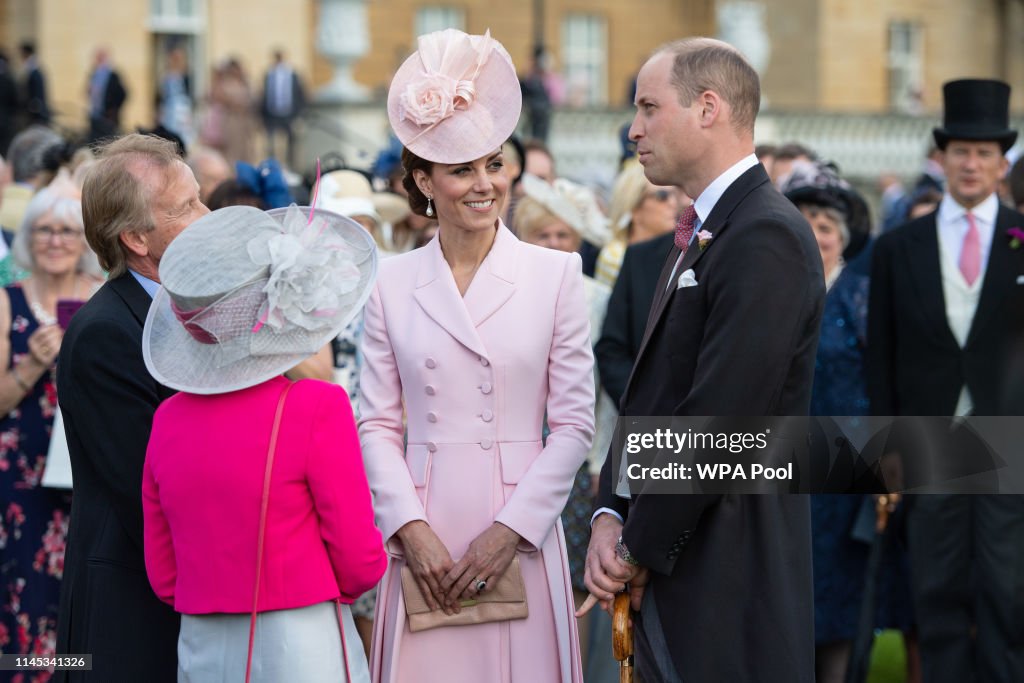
(107, 398)
(628, 309)
(9, 107)
(731, 573)
(114, 98)
(35, 102)
(915, 365)
(298, 97)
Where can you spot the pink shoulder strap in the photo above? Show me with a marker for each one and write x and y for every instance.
(263, 523)
(259, 544)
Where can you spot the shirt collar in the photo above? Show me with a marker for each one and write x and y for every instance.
(713, 192)
(951, 211)
(150, 286)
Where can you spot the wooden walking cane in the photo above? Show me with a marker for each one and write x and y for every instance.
(622, 637)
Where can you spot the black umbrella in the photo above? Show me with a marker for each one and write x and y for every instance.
(860, 659)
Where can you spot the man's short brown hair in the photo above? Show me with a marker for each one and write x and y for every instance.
(114, 197)
(702, 64)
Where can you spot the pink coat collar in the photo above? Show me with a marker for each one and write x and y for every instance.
(493, 285)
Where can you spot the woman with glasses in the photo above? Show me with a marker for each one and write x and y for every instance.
(34, 520)
(638, 211)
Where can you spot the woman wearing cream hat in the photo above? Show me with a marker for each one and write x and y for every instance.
(349, 193)
(475, 335)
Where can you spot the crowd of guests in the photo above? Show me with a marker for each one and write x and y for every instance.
(229, 117)
(484, 367)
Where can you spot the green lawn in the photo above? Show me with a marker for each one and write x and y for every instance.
(888, 663)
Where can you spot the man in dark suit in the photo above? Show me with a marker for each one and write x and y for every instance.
(8, 104)
(283, 100)
(107, 608)
(628, 308)
(945, 323)
(733, 331)
(106, 97)
(33, 101)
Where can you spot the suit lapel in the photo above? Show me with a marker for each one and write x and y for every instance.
(922, 262)
(137, 301)
(716, 224)
(662, 293)
(438, 296)
(134, 296)
(494, 283)
(999, 277)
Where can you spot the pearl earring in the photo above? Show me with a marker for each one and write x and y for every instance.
(430, 208)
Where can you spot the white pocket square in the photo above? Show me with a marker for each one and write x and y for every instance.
(1020, 279)
(687, 279)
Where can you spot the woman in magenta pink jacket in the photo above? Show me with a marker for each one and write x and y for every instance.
(267, 295)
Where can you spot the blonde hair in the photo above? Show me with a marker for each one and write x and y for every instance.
(627, 192)
(114, 197)
(702, 64)
(531, 216)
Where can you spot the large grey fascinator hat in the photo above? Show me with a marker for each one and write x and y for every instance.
(246, 295)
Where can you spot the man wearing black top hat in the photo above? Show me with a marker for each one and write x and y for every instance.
(946, 312)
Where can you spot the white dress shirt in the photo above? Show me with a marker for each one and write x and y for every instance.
(961, 299)
(951, 221)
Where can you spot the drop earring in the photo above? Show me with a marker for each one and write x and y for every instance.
(430, 208)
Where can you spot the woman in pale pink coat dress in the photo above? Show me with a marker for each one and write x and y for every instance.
(468, 341)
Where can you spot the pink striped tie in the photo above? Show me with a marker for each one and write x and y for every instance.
(684, 228)
(970, 253)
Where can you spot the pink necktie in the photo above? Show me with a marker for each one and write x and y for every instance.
(970, 253)
(684, 228)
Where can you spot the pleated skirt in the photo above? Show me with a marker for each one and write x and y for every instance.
(302, 644)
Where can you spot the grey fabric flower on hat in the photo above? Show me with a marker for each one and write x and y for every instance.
(311, 269)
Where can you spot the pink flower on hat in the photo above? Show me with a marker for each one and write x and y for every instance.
(429, 100)
(451, 63)
(466, 117)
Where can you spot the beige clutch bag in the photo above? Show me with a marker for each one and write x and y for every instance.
(504, 601)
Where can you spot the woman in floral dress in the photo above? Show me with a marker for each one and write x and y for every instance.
(34, 520)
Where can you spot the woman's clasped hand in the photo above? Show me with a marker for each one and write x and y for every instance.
(444, 583)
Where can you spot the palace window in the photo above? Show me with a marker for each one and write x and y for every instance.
(430, 19)
(584, 59)
(906, 66)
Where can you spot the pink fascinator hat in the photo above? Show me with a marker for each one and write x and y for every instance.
(456, 98)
